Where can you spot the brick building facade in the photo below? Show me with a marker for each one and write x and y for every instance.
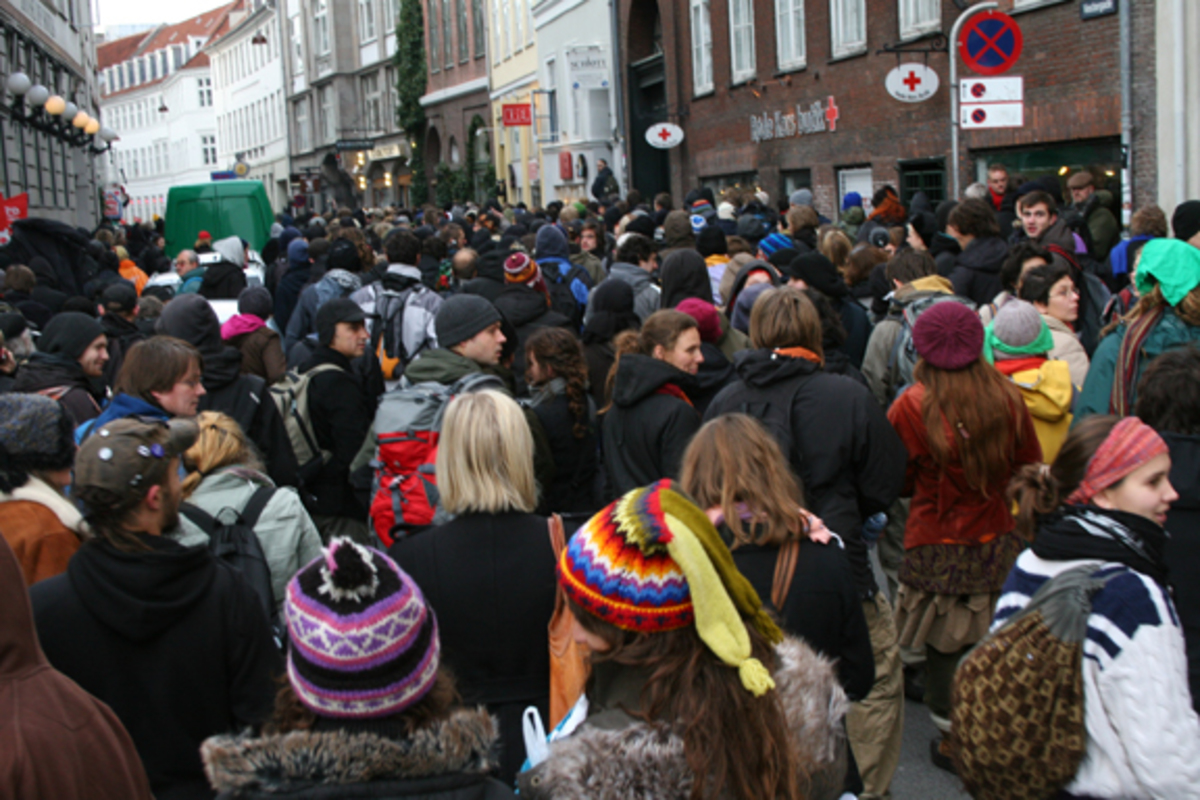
(809, 108)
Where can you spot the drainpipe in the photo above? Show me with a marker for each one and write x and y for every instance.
(618, 96)
(958, 23)
(1181, 140)
(1126, 23)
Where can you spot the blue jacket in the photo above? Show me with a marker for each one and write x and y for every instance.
(121, 406)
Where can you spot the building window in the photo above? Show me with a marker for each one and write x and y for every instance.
(166, 67)
(325, 113)
(461, 17)
(321, 27)
(391, 98)
(447, 25)
(205, 89)
(528, 5)
(141, 66)
(153, 67)
(848, 27)
(702, 70)
(303, 135)
(366, 20)
(517, 21)
(741, 39)
(789, 34)
(478, 27)
(297, 46)
(371, 102)
(918, 17)
(506, 27)
(208, 150)
(389, 16)
(435, 32)
(496, 31)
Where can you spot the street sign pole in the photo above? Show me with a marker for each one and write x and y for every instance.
(954, 90)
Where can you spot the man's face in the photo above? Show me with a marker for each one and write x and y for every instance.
(350, 339)
(1080, 196)
(587, 240)
(601, 163)
(95, 357)
(183, 265)
(184, 398)
(484, 347)
(998, 181)
(1036, 219)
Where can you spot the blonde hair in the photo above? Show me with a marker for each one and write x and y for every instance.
(836, 246)
(221, 443)
(485, 456)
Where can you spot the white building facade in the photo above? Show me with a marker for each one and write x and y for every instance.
(248, 98)
(575, 108)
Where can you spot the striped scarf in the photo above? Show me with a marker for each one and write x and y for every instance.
(1126, 370)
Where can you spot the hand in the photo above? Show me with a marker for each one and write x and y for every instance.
(817, 531)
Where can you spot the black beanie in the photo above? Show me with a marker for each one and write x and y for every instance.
(925, 224)
(1186, 220)
(711, 242)
(462, 316)
(343, 255)
(68, 334)
(818, 272)
(641, 224)
(255, 300)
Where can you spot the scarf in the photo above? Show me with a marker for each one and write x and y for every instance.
(672, 390)
(801, 352)
(1012, 366)
(1128, 356)
(1087, 532)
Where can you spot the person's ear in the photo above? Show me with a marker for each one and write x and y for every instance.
(659, 352)
(154, 498)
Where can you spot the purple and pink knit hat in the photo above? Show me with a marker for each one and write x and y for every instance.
(363, 643)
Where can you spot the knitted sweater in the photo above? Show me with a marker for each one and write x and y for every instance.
(1143, 738)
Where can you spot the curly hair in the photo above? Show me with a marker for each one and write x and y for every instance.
(557, 350)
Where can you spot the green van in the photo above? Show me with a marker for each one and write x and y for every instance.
(223, 208)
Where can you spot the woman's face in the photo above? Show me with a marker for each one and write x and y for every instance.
(1064, 301)
(685, 355)
(915, 241)
(1147, 491)
(584, 637)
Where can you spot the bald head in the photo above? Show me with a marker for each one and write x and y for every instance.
(463, 264)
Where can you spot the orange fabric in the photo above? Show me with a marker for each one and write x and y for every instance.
(41, 543)
(568, 659)
(800, 352)
(890, 211)
(131, 272)
(944, 509)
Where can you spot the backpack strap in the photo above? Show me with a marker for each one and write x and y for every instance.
(200, 518)
(785, 570)
(254, 508)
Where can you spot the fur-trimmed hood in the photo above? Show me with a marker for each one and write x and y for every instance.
(648, 761)
(461, 744)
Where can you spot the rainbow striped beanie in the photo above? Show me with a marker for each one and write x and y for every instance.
(363, 643)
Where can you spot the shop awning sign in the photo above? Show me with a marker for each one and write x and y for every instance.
(517, 115)
(990, 43)
(664, 135)
(912, 83)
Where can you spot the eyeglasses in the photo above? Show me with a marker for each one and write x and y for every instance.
(1070, 291)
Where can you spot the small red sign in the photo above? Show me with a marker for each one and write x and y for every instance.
(517, 114)
(990, 43)
(16, 207)
(566, 166)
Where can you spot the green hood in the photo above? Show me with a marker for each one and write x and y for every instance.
(1172, 264)
(440, 366)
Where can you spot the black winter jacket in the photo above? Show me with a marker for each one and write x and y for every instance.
(715, 373)
(223, 281)
(527, 310)
(44, 371)
(976, 273)
(172, 640)
(576, 460)
(341, 418)
(490, 578)
(1183, 547)
(849, 459)
(646, 430)
(122, 335)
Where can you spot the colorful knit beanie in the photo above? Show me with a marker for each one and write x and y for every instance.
(520, 268)
(363, 642)
(652, 561)
(1129, 445)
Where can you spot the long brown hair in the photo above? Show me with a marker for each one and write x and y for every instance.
(558, 350)
(733, 461)
(691, 688)
(979, 408)
(1153, 302)
(1038, 489)
(662, 328)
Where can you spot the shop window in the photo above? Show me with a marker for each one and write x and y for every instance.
(791, 180)
(741, 39)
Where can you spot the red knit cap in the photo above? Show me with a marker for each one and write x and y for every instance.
(707, 320)
(1130, 444)
(948, 335)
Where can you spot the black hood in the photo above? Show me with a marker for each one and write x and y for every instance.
(715, 371)
(44, 370)
(191, 318)
(985, 255)
(522, 305)
(640, 376)
(117, 327)
(139, 595)
(683, 275)
(760, 368)
(221, 369)
(1185, 469)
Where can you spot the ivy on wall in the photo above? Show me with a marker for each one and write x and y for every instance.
(410, 87)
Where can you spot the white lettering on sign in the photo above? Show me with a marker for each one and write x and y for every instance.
(817, 118)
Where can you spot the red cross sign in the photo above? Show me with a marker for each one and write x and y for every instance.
(664, 134)
(831, 114)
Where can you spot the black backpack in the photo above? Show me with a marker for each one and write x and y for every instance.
(232, 539)
(772, 407)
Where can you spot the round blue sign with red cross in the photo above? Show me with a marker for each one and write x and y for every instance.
(990, 43)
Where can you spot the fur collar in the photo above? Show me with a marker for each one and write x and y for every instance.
(462, 743)
(37, 490)
(647, 761)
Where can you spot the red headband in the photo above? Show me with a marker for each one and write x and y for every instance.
(1129, 445)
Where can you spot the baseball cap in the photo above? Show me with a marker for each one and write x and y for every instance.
(119, 296)
(113, 463)
(340, 309)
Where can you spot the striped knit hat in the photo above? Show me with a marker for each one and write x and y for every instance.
(651, 562)
(776, 241)
(363, 643)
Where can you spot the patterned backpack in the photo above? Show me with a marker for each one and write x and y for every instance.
(1016, 719)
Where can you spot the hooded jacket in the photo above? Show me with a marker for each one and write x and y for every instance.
(64, 380)
(122, 334)
(259, 344)
(646, 295)
(526, 308)
(1047, 390)
(421, 304)
(225, 279)
(879, 364)
(287, 294)
(341, 418)
(648, 425)
(677, 233)
(56, 740)
(848, 458)
(976, 273)
(173, 640)
(683, 274)
(1183, 546)
(302, 323)
(613, 752)
(1068, 348)
(851, 220)
(448, 759)
(43, 528)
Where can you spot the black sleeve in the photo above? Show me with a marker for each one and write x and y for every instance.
(677, 434)
(254, 663)
(271, 438)
(880, 458)
(856, 659)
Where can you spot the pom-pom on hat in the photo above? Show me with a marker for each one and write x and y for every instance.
(652, 561)
(363, 643)
(948, 335)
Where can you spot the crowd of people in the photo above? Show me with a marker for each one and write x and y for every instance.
(297, 520)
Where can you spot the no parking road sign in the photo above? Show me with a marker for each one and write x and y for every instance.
(990, 43)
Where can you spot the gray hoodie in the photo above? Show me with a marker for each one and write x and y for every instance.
(646, 294)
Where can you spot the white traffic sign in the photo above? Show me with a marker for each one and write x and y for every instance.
(992, 90)
(992, 115)
(911, 83)
(664, 135)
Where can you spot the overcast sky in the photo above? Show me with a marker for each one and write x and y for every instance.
(130, 12)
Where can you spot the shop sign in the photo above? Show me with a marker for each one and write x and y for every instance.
(517, 114)
(384, 152)
(566, 165)
(112, 203)
(14, 208)
(816, 118)
(912, 83)
(344, 145)
(1090, 9)
(587, 68)
(664, 135)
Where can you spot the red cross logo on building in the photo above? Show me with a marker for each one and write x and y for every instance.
(831, 114)
(912, 81)
(664, 134)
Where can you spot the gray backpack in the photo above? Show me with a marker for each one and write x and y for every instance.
(291, 398)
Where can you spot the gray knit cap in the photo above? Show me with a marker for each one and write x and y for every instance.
(461, 317)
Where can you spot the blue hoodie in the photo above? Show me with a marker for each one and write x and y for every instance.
(121, 406)
(553, 255)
